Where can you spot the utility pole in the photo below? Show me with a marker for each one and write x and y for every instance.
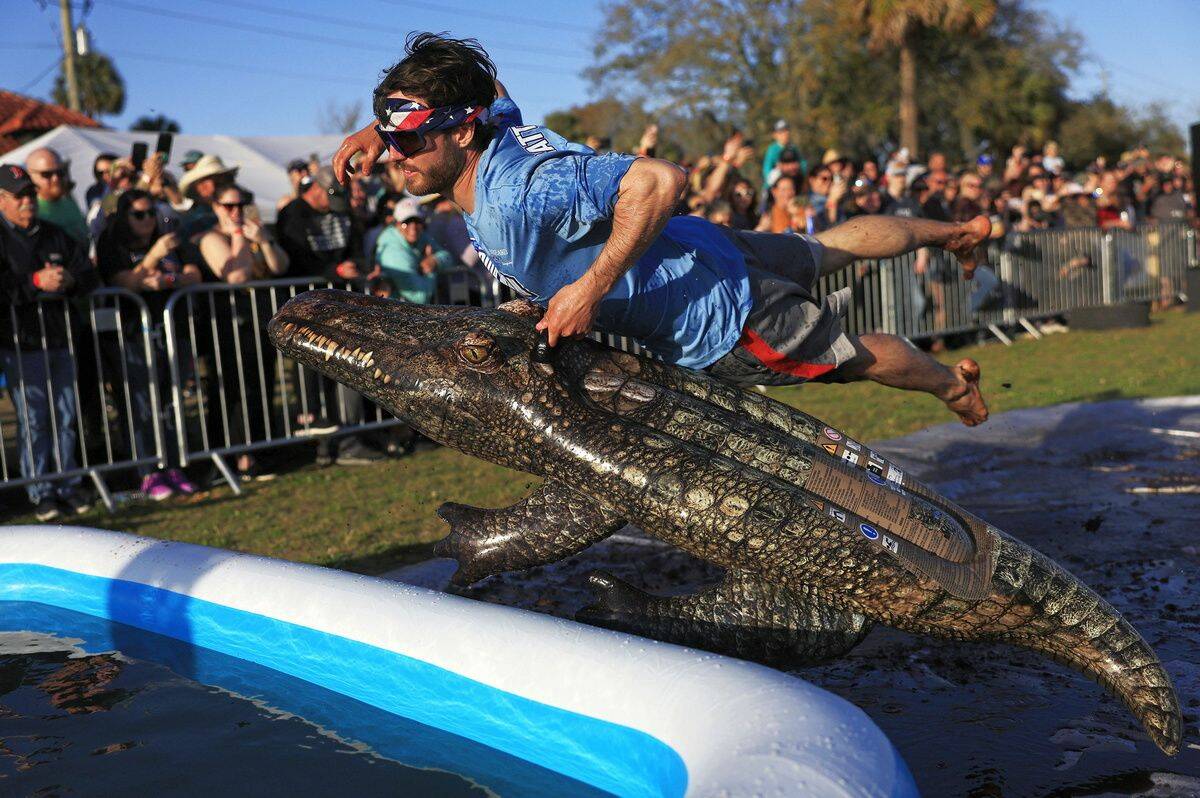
(68, 42)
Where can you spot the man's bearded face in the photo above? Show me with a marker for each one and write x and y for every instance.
(434, 169)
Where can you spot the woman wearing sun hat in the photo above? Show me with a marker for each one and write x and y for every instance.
(200, 184)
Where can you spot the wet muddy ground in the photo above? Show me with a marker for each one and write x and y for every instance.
(1112, 492)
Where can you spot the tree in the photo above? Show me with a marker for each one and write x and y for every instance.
(607, 117)
(160, 123)
(101, 88)
(1100, 126)
(700, 67)
(1005, 86)
(707, 62)
(340, 118)
(898, 24)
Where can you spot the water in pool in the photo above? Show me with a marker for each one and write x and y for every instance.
(79, 718)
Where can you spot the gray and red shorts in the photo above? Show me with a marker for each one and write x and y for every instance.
(790, 336)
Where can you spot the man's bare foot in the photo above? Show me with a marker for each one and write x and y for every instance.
(964, 399)
(964, 241)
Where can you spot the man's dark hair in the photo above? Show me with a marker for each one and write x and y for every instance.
(440, 71)
(104, 156)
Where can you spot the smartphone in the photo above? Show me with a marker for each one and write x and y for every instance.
(163, 146)
(138, 154)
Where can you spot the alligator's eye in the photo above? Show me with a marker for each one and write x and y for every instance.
(479, 350)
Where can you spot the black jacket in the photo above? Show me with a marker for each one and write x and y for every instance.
(23, 252)
(315, 242)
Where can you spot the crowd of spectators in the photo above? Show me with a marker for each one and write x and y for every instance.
(153, 232)
(1028, 191)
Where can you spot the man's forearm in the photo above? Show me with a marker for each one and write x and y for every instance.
(645, 202)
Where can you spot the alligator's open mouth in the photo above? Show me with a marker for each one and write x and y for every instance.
(322, 342)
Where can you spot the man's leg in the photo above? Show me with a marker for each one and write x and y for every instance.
(27, 385)
(62, 373)
(891, 360)
(868, 237)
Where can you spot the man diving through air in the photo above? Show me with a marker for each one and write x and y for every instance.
(592, 238)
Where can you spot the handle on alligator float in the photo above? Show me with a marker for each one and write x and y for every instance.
(542, 351)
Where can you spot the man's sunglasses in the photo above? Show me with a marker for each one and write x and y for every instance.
(141, 216)
(232, 206)
(407, 144)
(405, 124)
(53, 173)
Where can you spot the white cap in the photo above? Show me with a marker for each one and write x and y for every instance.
(407, 209)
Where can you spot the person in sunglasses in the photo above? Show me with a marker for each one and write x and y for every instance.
(55, 203)
(139, 252)
(593, 239)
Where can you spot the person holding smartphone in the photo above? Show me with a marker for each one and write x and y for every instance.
(137, 252)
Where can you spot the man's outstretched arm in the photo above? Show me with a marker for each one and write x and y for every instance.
(868, 237)
(646, 198)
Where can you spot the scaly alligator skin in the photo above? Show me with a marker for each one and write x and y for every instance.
(820, 536)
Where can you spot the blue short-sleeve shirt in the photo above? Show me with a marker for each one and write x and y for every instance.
(543, 212)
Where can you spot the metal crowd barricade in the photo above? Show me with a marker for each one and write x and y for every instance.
(223, 390)
(86, 409)
(233, 394)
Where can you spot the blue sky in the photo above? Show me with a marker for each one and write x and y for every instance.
(215, 66)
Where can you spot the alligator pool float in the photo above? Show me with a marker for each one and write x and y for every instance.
(820, 537)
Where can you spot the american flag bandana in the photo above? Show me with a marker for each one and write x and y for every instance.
(411, 117)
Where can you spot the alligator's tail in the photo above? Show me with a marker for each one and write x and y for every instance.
(1037, 604)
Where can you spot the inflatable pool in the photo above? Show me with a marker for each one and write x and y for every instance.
(617, 713)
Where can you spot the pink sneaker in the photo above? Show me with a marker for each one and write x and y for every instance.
(156, 487)
(179, 481)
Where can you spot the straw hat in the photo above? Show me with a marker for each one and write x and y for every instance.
(832, 156)
(208, 166)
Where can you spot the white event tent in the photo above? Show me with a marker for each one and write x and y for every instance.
(262, 159)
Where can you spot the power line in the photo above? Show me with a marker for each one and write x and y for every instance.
(41, 76)
(267, 31)
(474, 12)
(338, 21)
(242, 68)
(1104, 63)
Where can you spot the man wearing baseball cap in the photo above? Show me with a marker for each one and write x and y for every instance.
(781, 134)
(408, 255)
(39, 260)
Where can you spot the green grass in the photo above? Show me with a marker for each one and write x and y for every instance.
(1160, 360)
(372, 519)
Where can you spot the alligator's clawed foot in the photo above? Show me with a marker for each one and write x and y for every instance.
(477, 558)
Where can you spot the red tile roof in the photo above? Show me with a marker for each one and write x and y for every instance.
(23, 118)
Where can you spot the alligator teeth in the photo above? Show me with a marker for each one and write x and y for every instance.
(357, 351)
(387, 378)
(330, 349)
(378, 373)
